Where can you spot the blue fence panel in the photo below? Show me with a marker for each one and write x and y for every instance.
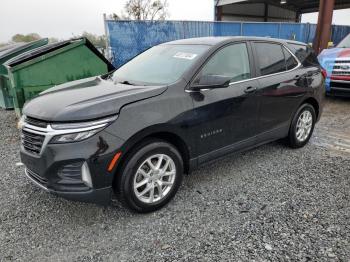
(129, 38)
(311, 33)
(292, 32)
(227, 29)
(339, 32)
(197, 29)
(261, 29)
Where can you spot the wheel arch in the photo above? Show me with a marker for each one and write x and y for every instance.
(142, 137)
(312, 101)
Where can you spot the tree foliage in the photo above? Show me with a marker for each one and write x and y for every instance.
(25, 38)
(144, 10)
(53, 40)
(97, 40)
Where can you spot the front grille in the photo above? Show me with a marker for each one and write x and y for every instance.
(36, 122)
(32, 142)
(33, 134)
(341, 73)
(340, 85)
(339, 67)
(36, 177)
(342, 61)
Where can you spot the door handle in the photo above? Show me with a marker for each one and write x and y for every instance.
(250, 89)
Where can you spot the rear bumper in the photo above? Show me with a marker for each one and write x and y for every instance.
(99, 196)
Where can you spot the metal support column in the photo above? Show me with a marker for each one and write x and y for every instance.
(266, 12)
(324, 25)
(298, 16)
(218, 13)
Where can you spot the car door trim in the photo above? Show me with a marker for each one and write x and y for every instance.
(259, 77)
(247, 144)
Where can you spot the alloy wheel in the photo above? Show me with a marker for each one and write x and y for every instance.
(154, 178)
(304, 126)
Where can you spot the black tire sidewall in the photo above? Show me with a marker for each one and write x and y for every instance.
(134, 163)
(293, 141)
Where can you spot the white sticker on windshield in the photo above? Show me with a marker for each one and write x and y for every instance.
(183, 55)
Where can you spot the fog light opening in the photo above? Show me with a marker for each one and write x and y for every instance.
(85, 175)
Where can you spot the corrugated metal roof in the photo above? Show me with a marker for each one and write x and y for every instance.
(302, 6)
(54, 46)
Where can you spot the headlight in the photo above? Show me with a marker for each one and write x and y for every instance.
(74, 132)
(74, 137)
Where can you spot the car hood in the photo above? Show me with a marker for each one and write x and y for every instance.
(330, 55)
(86, 99)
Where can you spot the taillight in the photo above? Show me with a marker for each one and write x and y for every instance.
(324, 73)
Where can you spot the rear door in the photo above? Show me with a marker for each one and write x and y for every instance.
(282, 83)
(307, 57)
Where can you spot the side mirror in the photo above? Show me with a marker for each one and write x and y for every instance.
(210, 82)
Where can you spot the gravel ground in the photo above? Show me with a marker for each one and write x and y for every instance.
(269, 204)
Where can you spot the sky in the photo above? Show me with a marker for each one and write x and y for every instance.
(340, 17)
(66, 18)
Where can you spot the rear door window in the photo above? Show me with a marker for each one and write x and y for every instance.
(270, 57)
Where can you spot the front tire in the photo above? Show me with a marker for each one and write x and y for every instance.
(150, 177)
(302, 126)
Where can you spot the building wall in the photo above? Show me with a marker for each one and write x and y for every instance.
(255, 12)
(234, 18)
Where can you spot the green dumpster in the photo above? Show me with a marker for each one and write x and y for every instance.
(53, 64)
(7, 52)
(6, 99)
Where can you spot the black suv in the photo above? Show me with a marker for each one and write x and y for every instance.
(137, 130)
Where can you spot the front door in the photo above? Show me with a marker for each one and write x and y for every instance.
(226, 117)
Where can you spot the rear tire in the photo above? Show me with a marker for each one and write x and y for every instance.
(150, 176)
(302, 126)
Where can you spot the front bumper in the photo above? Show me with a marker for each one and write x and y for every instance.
(338, 87)
(58, 168)
(99, 196)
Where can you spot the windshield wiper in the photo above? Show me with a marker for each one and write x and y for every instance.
(130, 83)
(126, 82)
(109, 75)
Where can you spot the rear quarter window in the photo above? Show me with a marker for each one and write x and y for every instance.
(291, 62)
(305, 54)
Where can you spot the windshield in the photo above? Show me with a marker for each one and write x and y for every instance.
(160, 65)
(345, 43)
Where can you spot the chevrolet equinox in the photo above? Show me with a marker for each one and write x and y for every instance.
(135, 131)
